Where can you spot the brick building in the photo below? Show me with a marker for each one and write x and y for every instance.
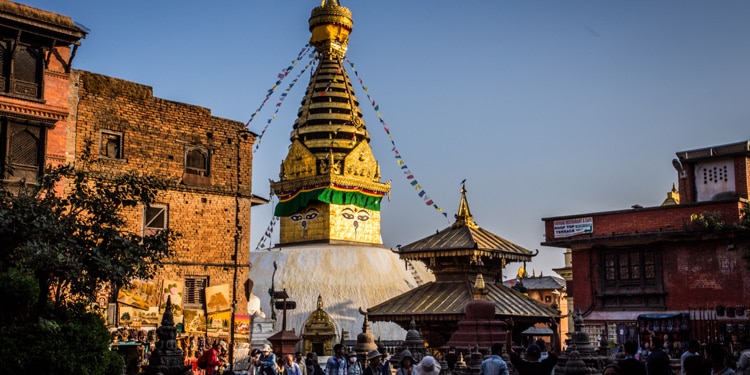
(52, 114)
(678, 270)
(208, 162)
(37, 49)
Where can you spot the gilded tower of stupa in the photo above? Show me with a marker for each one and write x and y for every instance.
(330, 192)
(329, 185)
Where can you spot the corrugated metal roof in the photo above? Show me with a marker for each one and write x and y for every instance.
(440, 300)
(465, 240)
(536, 283)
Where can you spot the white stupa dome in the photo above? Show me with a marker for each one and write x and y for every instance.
(347, 277)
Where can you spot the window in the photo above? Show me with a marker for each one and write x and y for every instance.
(195, 287)
(631, 278)
(197, 162)
(110, 145)
(155, 218)
(22, 68)
(22, 150)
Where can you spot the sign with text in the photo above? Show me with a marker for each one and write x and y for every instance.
(573, 227)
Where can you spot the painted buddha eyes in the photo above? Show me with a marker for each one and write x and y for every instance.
(310, 214)
(350, 214)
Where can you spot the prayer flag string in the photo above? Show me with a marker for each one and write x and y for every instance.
(278, 104)
(284, 72)
(399, 160)
(269, 230)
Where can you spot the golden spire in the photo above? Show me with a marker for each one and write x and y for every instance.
(673, 197)
(329, 185)
(464, 217)
(480, 290)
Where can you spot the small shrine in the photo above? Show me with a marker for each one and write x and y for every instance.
(479, 328)
(167, 358)
(319, 331)
(580, 355)
(456, 255)
(284, 342)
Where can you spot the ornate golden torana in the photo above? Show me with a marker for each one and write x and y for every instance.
(329, 185)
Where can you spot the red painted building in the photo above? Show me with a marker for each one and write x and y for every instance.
(678, 270)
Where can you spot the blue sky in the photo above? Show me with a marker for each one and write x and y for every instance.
(546, 108)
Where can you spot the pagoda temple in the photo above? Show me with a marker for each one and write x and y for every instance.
(457, 255)
(330, 192)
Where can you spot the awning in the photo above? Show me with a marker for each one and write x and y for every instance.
(663, 315)
(617, 316)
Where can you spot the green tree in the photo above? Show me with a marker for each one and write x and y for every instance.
(58, 249)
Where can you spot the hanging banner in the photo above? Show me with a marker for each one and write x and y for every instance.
(573, 227)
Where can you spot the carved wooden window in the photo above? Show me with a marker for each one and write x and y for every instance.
(631, 277)
(23, 150)
(155, 219)
(195, 290)
(198, 162)
(111, 144)
(22, 69)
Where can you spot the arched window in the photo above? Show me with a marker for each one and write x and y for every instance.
(197, 162)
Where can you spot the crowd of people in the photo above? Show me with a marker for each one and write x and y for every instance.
(709, 359)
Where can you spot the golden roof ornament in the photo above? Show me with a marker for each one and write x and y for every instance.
(330, 24)
(464, 217)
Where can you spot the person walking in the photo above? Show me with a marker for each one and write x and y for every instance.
(336, 364)
(657, 362)
(694, 348)
(373, 363)
(407, 363)
(291, 367)
(427, 366)
(267, 361)
(533, 364)
(630, 365)
(355, 368)
(494, 365)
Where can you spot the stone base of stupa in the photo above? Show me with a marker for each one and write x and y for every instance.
(347, 277)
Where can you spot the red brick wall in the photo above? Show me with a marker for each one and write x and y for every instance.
(707, 273)
(156, 131)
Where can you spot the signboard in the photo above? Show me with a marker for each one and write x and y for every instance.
(573, 227)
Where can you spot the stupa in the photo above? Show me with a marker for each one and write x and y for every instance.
(329, 192)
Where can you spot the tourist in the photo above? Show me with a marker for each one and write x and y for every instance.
(385, 361)
(407, 363)
(694, 348)
(267, 361)
(451, 358)
(373, 363)
(494, 365)
(717, 358)
(291, 367)
(254, 364)
(533, 365)
(210, 360)
(657, 362)
(630, 365)
(743, 363)
(313, 367)
(300, 362)
(336, 364)
(427, 366)
(354, 367)
(614, 369)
